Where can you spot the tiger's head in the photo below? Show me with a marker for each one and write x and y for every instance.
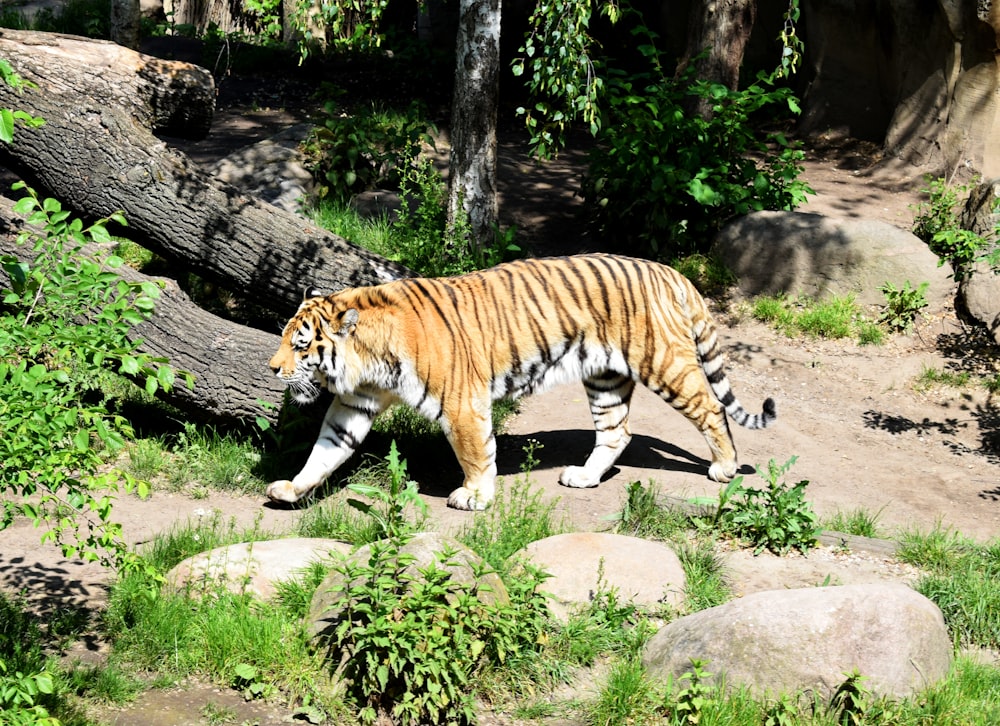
(315, 349)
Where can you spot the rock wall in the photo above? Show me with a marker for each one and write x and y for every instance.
(922, 77)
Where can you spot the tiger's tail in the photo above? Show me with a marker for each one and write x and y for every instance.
(707, 342)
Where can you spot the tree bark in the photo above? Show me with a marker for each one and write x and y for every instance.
(228, 361)
(722, 29)
(472, 171)
(96, 154)
(125, 22)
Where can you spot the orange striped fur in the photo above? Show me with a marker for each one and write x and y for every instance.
(449, 347)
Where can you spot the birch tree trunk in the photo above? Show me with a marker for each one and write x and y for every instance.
(472, 181)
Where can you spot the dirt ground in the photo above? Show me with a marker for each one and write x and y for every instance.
(864, 436)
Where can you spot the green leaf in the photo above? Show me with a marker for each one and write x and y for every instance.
(82, 440)
(245, 671)
(6, 125)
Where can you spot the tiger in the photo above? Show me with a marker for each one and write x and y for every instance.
(448, 347)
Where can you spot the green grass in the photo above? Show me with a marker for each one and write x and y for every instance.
(704, 572)
(930, 377)
(858, 522)
(642, 516)
(517, 517)
(198, 459)
(836, 318)
(707, 273)
(372, 233)
(963, 579)
(264, 651)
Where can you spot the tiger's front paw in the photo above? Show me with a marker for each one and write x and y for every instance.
(722, 472)
(466, 500)
(578, 477)
(282, 491)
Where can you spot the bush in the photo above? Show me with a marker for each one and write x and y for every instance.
(662, 180)
(358, 149)
(936, 222)
(63, 323)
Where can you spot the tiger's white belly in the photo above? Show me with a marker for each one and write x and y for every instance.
(565, 364)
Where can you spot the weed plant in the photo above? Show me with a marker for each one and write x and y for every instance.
(397, 635)
(777, 518)
(902, 306)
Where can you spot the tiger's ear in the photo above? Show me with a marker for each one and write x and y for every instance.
(312, 292)
(348, 322)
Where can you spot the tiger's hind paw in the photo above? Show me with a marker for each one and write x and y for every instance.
(465, 499)
(578, 477)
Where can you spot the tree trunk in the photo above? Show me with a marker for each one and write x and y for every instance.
(125, 23)
(721, 28)
(473, 185)
(97, 155)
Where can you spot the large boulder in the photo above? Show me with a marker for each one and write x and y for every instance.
(425, 548)
(810, 254)
(252, 567)
(809, 639)
(641, 572)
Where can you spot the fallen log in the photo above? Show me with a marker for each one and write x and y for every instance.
(228, 360)
(98, 155)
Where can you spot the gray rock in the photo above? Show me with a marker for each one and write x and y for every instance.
(252, 567)
(818, 256)
(426, 548)
(979, 298)
(807, 640)
(272, 169)
(641, 572)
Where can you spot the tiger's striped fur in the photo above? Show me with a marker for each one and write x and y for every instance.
(449, 347)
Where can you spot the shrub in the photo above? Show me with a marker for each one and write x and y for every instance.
(358, 149)
(662, 180)
(66, 319)
(936, 222)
